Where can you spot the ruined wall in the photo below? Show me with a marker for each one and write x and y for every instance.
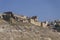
(35, 22)
(21, 18)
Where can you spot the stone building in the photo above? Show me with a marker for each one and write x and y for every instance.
(7, 15)
(34, 21)
(44, 24)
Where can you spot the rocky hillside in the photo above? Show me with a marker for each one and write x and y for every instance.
(25, 31)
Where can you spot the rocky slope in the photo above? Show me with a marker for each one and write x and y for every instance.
(25, 31)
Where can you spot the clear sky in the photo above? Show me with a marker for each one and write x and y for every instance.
(44, 9)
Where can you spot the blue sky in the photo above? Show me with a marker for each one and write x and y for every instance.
(44, 9)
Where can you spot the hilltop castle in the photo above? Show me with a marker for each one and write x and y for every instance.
(34, 19)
